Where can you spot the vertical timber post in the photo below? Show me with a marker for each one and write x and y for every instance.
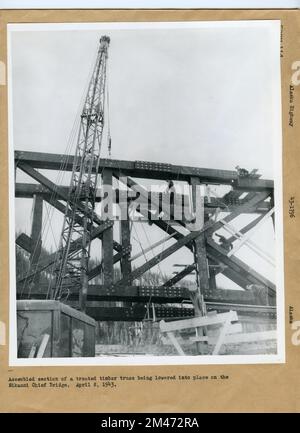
(212, 276)
(36, 236)
(201, 267)
(126, 245)
(107, 237)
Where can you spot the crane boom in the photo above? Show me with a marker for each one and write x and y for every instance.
(71, 267)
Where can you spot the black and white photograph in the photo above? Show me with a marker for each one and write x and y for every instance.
(145, 193)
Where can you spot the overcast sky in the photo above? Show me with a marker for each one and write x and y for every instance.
(204, 97)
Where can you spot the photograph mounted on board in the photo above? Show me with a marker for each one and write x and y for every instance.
(145, 193)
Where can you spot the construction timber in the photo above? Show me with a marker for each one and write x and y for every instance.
(248, 195)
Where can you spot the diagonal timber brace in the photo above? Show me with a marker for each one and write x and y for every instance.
(62, 208)
(234, 269)
(61, 194)
(242, 299)
(247, 228)
(28, 190)
(160, 257)
(73, 247)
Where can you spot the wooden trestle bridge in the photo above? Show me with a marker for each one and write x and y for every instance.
(249, 194)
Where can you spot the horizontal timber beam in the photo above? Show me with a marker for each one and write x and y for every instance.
(144, 294)
(28, 190)
(139, 313)
(144, 169)
(246, 229)
(60, 194)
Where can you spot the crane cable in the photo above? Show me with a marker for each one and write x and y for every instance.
(59, 178)
(72, 139)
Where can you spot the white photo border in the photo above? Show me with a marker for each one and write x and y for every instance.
(274, 26)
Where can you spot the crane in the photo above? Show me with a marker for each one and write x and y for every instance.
(71, 267)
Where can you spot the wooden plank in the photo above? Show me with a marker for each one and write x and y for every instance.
(252, 245)
(198, 321)
(126, 244)
(245, 271)
(175, 343)
(32, 351)
(74, 246)
(125, 235)
(221, 337)
(159, 295)
(230, 296)
(261, 311)
(250, 337)
(27, 190)
(228, 269)
(233, 272)
(60, 194)
(43, 346)
(36, 237)
(198, 339)
(143, 169)
(200, 256)
(249, 184)
(235, 328)
(99, 293)
(137, 312)
(201, 264)
(174, 280)
(62, 208)
(151, 247)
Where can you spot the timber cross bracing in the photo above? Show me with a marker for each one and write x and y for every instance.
(210, 257)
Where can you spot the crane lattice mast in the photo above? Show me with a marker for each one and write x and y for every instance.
(71, 267)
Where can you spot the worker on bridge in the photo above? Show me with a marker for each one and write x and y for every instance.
(225, 243)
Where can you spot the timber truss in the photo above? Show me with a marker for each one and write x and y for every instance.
(249, 194)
